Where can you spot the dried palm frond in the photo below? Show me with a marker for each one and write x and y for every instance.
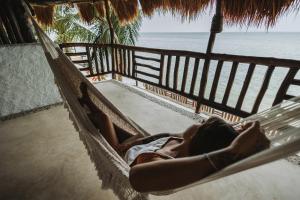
(148, 7)
(99, 5)
(126, 10)
(44, 14)
(256, 12)
(187, 9)
(86, 12)
(243, 12)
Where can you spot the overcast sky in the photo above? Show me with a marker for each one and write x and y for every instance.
(168, 23)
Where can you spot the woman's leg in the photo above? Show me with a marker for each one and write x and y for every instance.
(107, 130)
(112, 133)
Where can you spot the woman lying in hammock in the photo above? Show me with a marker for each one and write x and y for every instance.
(167, 161)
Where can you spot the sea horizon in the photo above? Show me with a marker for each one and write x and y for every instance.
(265, 44)
(221, 32)
(271, 44)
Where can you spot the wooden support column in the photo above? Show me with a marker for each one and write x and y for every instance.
(111, 31)
(216, 27)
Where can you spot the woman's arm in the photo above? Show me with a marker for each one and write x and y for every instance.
(174, 173)
(170, 174)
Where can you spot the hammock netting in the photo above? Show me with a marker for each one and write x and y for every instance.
(281, 123)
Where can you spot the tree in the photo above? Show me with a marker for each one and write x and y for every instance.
(123, 34)
(68, 27)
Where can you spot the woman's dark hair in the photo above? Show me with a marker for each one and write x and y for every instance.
(214, 134)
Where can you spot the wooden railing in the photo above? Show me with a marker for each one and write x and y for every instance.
(229, 83)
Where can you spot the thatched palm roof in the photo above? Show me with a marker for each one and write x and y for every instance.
(255, 12)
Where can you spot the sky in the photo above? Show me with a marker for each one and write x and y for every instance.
(168, 23)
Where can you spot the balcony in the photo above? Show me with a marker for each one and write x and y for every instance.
(230, 86)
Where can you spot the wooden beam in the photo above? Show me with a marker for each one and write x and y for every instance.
(55, 2)
(161, 67)
(23, 18)
(216, 27)
(9, 10)
(3, 33)
(7, 25)
(111, 32)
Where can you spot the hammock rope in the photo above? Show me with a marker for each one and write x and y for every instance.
(281, 123)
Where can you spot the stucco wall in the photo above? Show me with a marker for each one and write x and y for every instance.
(26, 80)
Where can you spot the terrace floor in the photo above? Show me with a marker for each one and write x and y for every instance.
(43, 158)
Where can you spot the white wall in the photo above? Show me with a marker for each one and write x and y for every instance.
(26, 80)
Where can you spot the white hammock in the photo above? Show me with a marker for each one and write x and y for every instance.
(282, 125)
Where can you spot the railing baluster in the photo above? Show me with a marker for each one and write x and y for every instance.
(230, 82)
(195, 71)
(245, 86)
(124, 61)
(175, 80)
(203, 83)
(117, 60)
(89, 59)
(285, 85)
(124, 58)
(101, 60)
(113, 61)
(263, 89)
(168, 70)
(162, 59)
(216, 81)
(121, 61)
(96, 60)
(107, 59)
(185, 73)
(128, 62)
(133, 64)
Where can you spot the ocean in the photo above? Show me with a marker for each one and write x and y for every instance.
(279, 45)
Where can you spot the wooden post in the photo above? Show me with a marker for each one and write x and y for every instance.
(216, 27)
(3, 33)
(111, 31)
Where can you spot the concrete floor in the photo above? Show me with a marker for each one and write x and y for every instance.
(41, 157)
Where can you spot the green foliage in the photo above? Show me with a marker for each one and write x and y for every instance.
(68, 27)
(123, 34)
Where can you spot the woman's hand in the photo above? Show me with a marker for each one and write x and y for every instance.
(250, 141)
(124, 147)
